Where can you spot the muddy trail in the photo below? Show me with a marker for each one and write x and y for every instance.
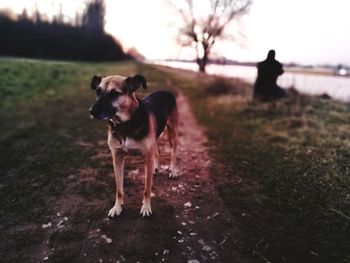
(189, 220)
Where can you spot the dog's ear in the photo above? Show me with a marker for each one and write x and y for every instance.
(95, 81)
(135, 82)
(140, 80)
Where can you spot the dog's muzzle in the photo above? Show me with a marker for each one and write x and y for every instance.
(102, 109)
(98, 116)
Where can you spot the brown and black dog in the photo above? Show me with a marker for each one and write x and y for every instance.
(135, 124)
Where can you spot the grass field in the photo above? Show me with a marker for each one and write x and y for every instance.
(282, 169)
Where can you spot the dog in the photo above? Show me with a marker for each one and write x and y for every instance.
(135, 125)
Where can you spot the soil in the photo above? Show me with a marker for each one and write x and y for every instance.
(189, 220)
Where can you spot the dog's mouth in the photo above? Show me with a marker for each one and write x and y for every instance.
(112, 118)
(102, 117)
(115, 120)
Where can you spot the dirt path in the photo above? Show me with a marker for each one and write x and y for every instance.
(189, 221)
(202, 218)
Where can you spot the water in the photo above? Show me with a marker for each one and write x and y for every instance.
(336, 87)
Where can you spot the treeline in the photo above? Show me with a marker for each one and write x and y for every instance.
(34, 36)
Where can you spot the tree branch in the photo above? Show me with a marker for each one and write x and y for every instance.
(205, 31)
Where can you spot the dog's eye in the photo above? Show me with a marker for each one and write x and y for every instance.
(113, 94)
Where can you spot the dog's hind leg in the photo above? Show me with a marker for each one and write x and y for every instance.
(172, 129)
(118, 164)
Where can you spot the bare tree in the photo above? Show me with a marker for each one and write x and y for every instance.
(202, 26)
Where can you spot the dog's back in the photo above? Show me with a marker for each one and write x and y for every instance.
(161, 104)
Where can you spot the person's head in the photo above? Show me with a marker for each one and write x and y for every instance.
(271, 54)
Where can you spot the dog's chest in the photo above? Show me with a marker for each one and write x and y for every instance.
(129, 145)
(134, 146)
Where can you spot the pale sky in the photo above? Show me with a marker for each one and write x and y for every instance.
(302, 31)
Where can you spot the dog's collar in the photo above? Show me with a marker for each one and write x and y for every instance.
(136, 127)
(114, 121)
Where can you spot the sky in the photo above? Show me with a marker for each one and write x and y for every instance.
(301, 31)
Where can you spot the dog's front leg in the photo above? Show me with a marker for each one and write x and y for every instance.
(149, 170)
(156, 159)
(118, 164)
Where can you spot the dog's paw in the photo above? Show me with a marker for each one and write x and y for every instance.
(115, 210)
(146, 208)
(173, 174)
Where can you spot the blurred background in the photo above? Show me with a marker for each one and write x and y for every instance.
(309, 37)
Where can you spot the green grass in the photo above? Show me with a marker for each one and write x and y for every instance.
(283, 169)
(44, 109)
(43, 113)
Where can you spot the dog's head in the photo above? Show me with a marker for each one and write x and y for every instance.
(116, 100)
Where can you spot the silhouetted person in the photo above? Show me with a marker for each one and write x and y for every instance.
(265, 86)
